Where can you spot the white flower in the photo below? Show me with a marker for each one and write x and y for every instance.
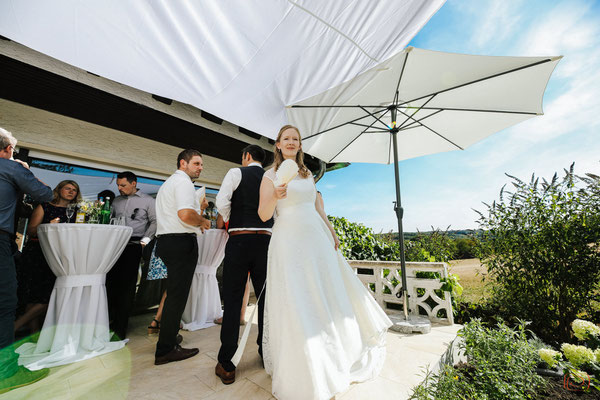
(584, 329)
(578, 355)
(549, 356)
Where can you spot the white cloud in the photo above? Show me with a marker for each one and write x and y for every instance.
(498, 21)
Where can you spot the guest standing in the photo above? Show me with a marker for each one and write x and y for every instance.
(139, 212)
(246, 251)
(178, 219)
(15, 177)
(37, 277)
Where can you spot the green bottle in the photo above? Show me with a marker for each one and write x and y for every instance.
(105, 213)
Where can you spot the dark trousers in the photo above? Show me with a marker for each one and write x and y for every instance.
(120, 287)
(8, 305)
(243, 254)
(180, 255)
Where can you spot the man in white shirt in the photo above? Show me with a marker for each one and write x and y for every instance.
(246, 251)
(178, 219)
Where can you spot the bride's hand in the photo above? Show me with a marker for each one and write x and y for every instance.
(336, 241)
(281, 192)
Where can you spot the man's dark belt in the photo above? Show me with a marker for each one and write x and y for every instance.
(176, 234)
(135, 238)
(7, 234)
(249, 232)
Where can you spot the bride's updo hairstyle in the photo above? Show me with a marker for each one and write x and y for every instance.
(302, 170)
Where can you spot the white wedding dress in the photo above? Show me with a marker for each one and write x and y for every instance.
(323, 330)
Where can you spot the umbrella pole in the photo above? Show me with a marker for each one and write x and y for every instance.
(399, 213)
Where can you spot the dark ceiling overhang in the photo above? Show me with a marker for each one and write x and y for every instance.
(32, 86)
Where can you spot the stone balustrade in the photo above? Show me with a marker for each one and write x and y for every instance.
(423, 299)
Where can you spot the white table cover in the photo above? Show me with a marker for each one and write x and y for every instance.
(76, 324)
(204, 301)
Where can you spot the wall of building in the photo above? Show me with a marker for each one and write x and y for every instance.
(67, 139)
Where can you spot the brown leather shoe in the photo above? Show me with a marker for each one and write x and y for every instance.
(226, 377)
(177, 354)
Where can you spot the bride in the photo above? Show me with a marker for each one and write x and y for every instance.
(323, 330)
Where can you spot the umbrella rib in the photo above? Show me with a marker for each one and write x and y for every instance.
(353, 140)
(424, 108)
(442, 136)
(400, 79)
(483, 79)
(418, 121)
(476, 110)
(373, 115)
(416, 111)
(332, 106)
(368, 126)
(345, 123)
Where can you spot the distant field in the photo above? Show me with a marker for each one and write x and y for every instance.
(470, 272)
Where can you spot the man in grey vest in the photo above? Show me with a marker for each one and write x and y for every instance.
(246, 251)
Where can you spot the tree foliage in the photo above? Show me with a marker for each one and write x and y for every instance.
(540, 247)
(358, 242)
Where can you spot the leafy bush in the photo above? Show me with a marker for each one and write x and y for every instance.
(465, 248)
(540, 246)
(358, 242)
(431, 246)
(500, 365)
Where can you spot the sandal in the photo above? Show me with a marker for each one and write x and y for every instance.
(154, 329)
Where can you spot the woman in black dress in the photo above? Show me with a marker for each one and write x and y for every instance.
(37, 276)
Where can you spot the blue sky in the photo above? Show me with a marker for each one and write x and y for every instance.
(441, 190)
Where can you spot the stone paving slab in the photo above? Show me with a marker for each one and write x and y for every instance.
(130, 373)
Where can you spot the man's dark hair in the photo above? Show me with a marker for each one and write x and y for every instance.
(130, 176)
(257, 153)
(187, 155)
(107, 194)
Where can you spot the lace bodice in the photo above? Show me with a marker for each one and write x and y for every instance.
(301, 192)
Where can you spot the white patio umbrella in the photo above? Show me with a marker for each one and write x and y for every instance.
(420, 102)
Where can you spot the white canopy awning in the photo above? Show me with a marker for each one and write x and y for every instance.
(240, 60)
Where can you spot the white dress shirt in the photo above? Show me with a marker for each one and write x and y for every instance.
(177, 193)
(230, 183)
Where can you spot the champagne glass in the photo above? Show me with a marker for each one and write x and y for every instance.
(70, 211)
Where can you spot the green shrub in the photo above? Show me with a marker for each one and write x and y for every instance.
(465, 248)
(358, 242)
(431, 246)
(500, 365)
(540, 247)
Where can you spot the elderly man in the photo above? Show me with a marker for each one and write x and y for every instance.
(138, 211)
(178, 219)
(15, 178)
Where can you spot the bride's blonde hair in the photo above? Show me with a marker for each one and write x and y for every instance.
(302, 170)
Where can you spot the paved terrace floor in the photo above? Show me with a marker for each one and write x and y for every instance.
(130, 373)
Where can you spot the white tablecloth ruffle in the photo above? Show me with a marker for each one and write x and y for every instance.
(204, 302)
